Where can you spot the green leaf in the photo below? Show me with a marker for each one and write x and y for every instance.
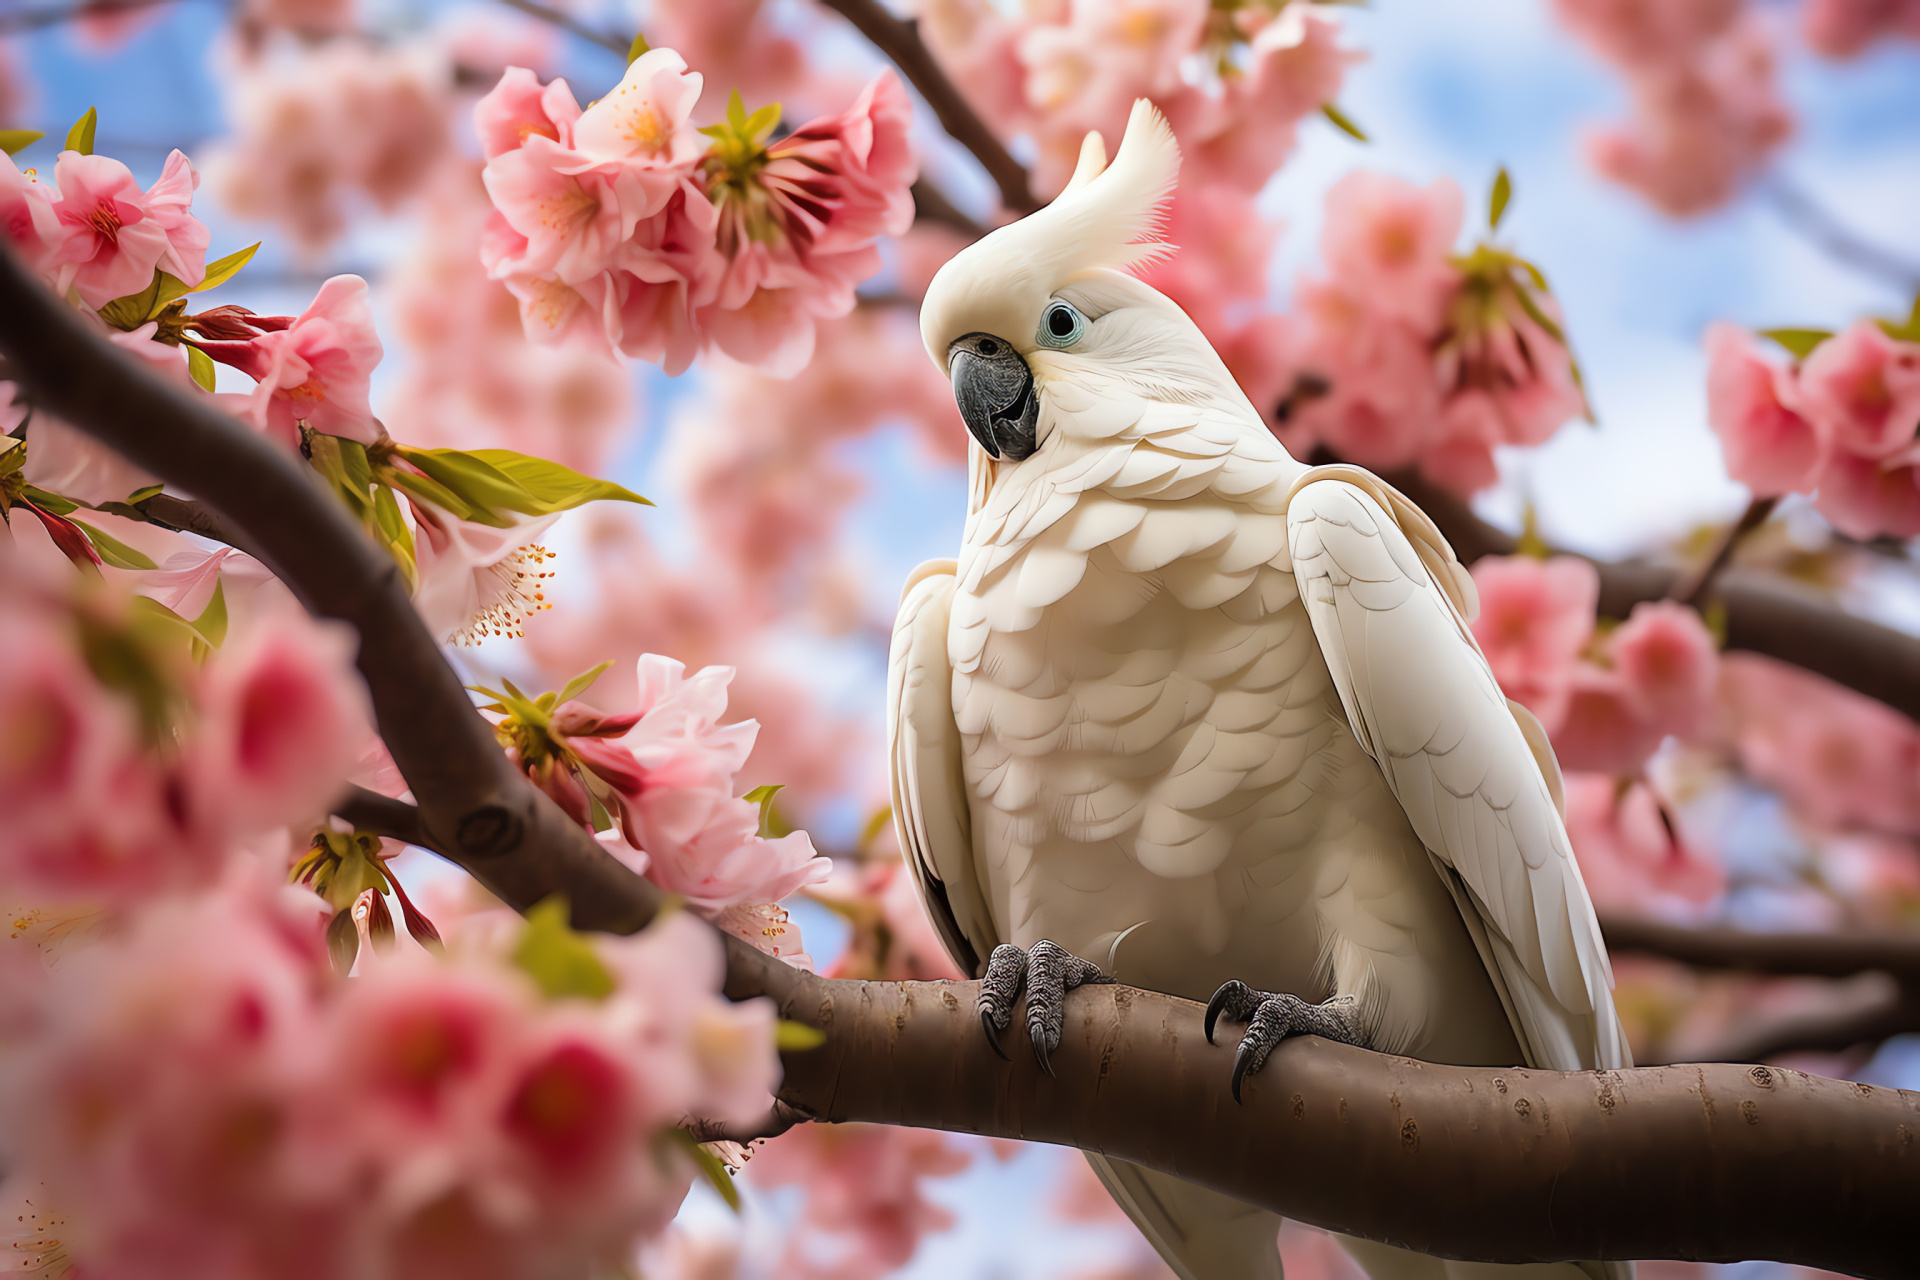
(637, 49)
(343, 942)
(736, 112)
(1798, 342)
(555, 487)
(14, 141)
(1497, 202)
(1343, 123)
(558, 959)
(212, 622)
(115, 552)
(49, 501)
(200, 365)
(770, 824)
(394, 534)
(580, 683)
(1534, 313)
(427, 490)
(80, 137)
(796, 1037)
(344, 463)
(709, 1165)
(225, 269)
(135, 309)
(163, 621)
(484, 489)
(139, 496)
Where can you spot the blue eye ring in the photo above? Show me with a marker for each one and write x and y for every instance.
(1061, 325)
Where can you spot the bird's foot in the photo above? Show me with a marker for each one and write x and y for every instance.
(1048, 971)
(1271, 1018)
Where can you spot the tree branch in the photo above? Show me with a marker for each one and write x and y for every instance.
(899, 39)
(1715, 1163)
(1814, 955)
(571, 25)
(1695, 586)
(473, 805)
(1803, 213)
(1502, 1165)
(379, 815)
(1765, 613)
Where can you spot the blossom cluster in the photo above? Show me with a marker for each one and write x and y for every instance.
(1706, 115)
(1844, 28)
(129, 768)
(1406, 353)
(200, 1095)
(1606, 697)
(622, 226)
(1842, 422)
(662, 777)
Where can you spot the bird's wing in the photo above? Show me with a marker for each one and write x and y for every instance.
(923, 749)
(1425, 706)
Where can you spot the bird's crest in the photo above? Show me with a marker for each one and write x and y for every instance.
(1111, 216)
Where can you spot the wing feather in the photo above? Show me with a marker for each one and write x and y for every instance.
(1424, 704)
(929, 795)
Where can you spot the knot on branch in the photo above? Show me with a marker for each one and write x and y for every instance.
(489, 832)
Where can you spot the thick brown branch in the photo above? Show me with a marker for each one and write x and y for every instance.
(1825, 1032)
(474, 806)
(899, 39)
(1765, 613)
(1706, 1162)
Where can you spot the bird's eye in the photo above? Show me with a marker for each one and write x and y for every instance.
(1061, 325)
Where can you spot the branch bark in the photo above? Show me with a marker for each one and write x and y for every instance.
(1765, 613)
(1501, 1165)
(899, 39)
(1714, 1163)
(1814, 955)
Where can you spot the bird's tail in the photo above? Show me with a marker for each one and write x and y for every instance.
(1204, 1235)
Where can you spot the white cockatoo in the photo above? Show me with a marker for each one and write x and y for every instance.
(1192, 715)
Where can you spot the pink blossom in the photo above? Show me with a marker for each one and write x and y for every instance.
(1863, 388)
(644, 119)
(1374, 391)
(1668, 663)
(316, 126)
(976, 43)
(1699, 130)
(282, 719)
(1769, 446)
(1865, 498)
(1638, 33)
(1240, 132)
(737, 43)
(864, 1194)
(797, 232)
(27, 216)
(1221, 267)
(115, 235)
(1844, 28)
(477, 580)
(519, 108)
(1508, 380)
(316, 370)
(1536, 617)
(1602, 730)
(1628, 855)
(1387, 241)
(1842, 760)
(768, 927)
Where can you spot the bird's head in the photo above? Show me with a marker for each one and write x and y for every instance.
(1048, 294)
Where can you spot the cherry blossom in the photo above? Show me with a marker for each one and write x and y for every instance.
(1535, 619)
(28, 217)
(1629, 855)
(114, 235)
(1863, 386)
(313, 370)
(478, 580)
(1387, 241)
(1769, 445)
(1844, 28)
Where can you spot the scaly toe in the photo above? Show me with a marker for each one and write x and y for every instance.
(993, 1034)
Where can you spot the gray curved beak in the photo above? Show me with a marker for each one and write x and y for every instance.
(994, 389)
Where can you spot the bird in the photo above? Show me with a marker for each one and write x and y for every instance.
(1189, 714)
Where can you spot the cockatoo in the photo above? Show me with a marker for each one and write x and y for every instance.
(1191, 715)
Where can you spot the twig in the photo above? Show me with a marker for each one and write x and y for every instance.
(1765, 613)
(1693, 588)
(379, 815)
(1825, 1032)
(568, 23)
(932, 204)
(1813, 955)
(899, 39)
(1804, 214)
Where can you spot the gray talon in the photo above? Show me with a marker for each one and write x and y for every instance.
(1047, 971)
(993, 1034)
(1271, 1018)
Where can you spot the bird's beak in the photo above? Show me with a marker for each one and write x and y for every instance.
(994, 388)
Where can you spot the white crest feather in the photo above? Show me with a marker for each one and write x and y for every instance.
(1109, 218)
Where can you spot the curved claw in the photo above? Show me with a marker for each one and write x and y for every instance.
(1241, 1057)
(993, 1034)
(1214, 1006)
(1040, 1055)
